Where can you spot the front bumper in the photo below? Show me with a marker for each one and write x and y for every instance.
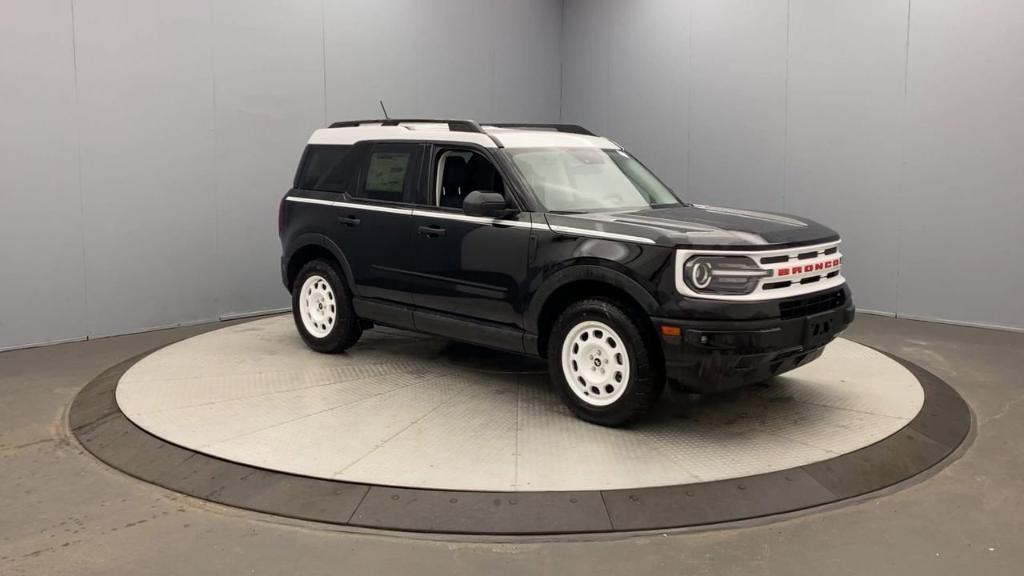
(709, 356)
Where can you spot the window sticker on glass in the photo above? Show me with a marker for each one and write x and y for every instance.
(387, 171)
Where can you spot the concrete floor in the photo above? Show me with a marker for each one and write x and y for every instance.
(62, 512)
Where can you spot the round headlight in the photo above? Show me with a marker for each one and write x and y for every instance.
(701, 274)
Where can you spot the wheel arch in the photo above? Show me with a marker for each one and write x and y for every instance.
(311, 246)
(579, 282)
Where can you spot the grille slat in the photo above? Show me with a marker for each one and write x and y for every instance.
(812, 304)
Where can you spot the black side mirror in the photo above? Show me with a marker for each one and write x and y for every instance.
(486, 204)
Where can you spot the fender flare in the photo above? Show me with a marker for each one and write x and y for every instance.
(316, 239)
(590, 272)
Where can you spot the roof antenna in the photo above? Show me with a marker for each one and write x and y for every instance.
(386, 117)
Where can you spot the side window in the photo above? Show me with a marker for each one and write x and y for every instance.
(391, 170)
(459, 172)
(328, 168)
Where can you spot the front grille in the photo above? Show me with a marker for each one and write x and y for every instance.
(812, 304)
(788, 273)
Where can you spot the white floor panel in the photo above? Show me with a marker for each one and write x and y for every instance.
(407, 410)
(332, 439)
(470, 435)
(558, 452)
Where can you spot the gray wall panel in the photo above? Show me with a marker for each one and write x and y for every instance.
(738, 103)
(145, 86)
(844, 148)
(646, 36)
(42, 289)
(476, 59)
(371, 53)
(527, 60)
(586, 52)
(963, 205)
(454, 58)
(269, 96)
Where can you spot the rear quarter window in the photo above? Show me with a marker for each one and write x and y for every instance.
(328, 168)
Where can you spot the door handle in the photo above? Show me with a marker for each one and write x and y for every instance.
(432, 231)
(349, 220)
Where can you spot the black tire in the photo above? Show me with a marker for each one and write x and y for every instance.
(646, 380)
(346, 328)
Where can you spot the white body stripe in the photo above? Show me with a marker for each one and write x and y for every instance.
(414, 211)
(310, 200)
(371, 207)
(468, 218)
(599, 234)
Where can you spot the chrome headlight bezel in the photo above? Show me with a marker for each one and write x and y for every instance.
(722, 275)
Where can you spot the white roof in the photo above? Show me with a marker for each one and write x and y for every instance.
(527, 138)
(509, 137)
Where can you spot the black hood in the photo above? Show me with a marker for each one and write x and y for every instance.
(703, 226)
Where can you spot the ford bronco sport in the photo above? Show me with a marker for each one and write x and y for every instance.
(550, 241)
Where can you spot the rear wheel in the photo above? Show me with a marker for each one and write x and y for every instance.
(602, 364)
(322, 308)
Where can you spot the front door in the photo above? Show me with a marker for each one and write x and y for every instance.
(467, 266)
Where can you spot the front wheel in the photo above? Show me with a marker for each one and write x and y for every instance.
(604, 367)
(322, 308)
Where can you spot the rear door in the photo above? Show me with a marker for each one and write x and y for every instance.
(374, 220)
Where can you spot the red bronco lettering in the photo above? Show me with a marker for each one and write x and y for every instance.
(810, 267)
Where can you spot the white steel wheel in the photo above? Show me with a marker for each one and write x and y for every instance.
(317, 306)
(595, 363)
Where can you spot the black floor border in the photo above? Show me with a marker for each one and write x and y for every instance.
(938, 429)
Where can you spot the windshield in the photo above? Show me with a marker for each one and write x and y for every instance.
(589, 179)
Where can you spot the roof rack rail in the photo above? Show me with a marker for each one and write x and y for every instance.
(568, 128)
(453, 125)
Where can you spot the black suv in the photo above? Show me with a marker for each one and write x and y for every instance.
(550, 241)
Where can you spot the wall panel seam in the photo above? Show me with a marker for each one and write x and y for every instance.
(84, 327)
(217, 254)
(785, 110)
(561, 64)
(323, 52)
(688, 189)
(904, 136)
